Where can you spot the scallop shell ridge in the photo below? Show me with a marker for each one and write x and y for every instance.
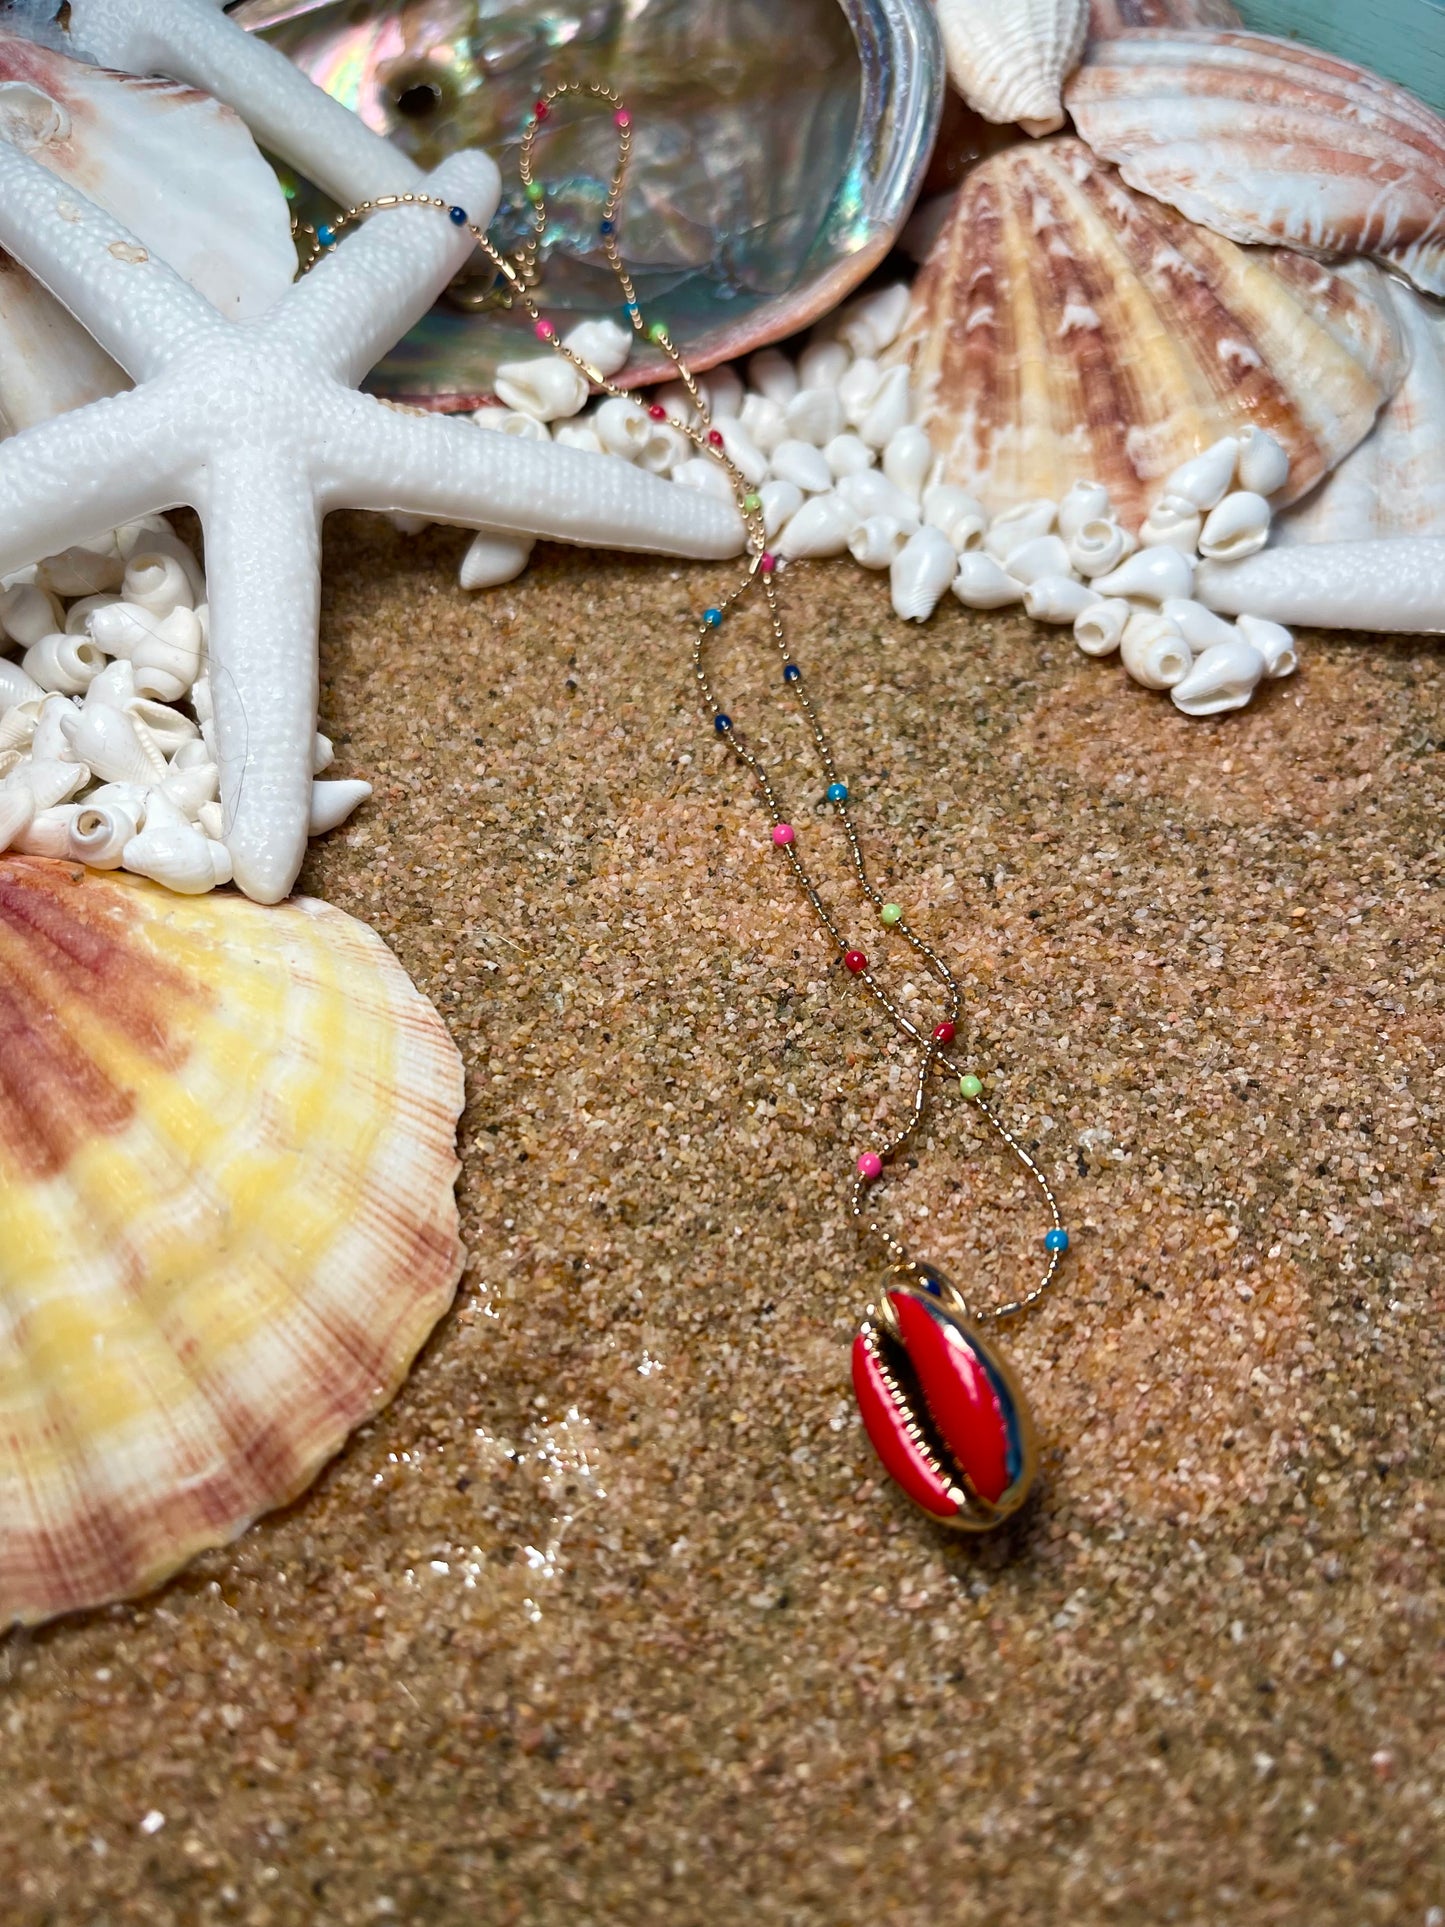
(227, 1219)
(1065, 328)
(1268, 141)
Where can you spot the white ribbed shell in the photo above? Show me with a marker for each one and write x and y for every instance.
(1009, 58)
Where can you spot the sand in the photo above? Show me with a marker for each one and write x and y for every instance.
(610, 1618)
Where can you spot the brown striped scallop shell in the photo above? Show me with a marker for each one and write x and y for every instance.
(1268, 141)
(1064, 328)
(226, 1216)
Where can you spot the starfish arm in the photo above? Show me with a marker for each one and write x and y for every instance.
(263, 581)
(192, 40)
(139, 310)
(451, 471)
(71, 477)
(361, 299)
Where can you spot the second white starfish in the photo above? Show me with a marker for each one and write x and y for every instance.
(258, 426)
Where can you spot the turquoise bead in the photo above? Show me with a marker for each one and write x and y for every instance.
(1056, 1240)
(837, 792)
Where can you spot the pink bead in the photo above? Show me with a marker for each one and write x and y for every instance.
(622, 118)
(870, 1166)
(782, 834)
(768, 564)
(545, 331)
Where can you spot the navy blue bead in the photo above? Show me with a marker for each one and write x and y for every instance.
(1056, 1240)
(722, 724)
(607, 227)
(791, 672)
(837, 792)
(458, 214)
(325, 235)
(712, 617)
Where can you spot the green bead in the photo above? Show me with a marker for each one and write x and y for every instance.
(751, 502)
(970, 1085)
(658, 331)
(891, 913)
(534, 191)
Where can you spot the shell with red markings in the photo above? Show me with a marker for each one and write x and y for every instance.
(943, 1411)
(226, 1216)
(1269, 141)
(1065, 328)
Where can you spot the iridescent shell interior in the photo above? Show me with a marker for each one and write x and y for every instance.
(776, 152)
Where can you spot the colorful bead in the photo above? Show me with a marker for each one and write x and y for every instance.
(870, 1165)
(782, 834)
(855, 961)
(606, 227)
(658, 331)
(457, 216)
(891, 913)
(752, 502)
(533, 191)
(1056, 1240)
(837, 792)
(767, 563)
(943, 1033)
(541, 110)
(622, 118)
(791, 672)
(712, 617)
(658, 412)
(714, 438)
(633, 309)
(970, 1085)
(325, 235)
(722, 724)
(545, 331)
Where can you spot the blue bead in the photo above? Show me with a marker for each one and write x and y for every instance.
(325, 235)
(458, 214)
(722, 724)
(791, 672)
(1056, 1240)
(607, 227)
(633, 309)
(837, 792)
(712, 617)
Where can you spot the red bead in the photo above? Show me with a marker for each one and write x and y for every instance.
(714, 438)
(541, 110)
(768, 563)
(658, 412)
(622, 118)
(943, 1033)
(545, 331)
(855, 960)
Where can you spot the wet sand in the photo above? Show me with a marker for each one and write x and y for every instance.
(610, 1618)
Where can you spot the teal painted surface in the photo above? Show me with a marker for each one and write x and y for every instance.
(1402, 39)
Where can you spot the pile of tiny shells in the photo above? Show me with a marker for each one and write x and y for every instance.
(107, 750)
(829, 444)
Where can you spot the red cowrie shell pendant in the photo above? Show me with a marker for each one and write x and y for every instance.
(944, 1412)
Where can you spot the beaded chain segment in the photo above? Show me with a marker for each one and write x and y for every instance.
(941, 1406)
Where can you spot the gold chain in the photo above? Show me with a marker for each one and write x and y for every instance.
(521, 274)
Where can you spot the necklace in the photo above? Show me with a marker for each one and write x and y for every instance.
(940, 1404)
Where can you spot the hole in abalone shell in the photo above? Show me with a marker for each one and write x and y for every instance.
(419, 100)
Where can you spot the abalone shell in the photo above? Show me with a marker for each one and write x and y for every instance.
(776, 152)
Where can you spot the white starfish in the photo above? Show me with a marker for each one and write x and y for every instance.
(258, 426)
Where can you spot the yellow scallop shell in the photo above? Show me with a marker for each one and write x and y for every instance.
(227, 1220)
